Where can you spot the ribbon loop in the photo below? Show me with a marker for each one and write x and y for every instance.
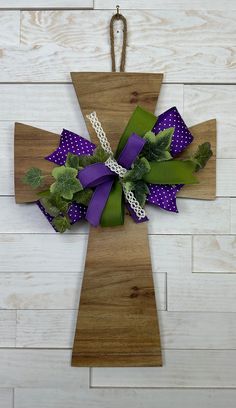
(95, 174)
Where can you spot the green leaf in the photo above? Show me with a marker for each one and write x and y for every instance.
(33, 177)
(83, 196)
(157, 146)
(141, 167)
(202, 155)
(61, 223)
(86, 160)
(171, 172)
(100, 155)
(140, 191)
(45, 193)
(54, 204)
(73, 161)
(150, 136)
(129, 185)
(66, 182)
(164, 138)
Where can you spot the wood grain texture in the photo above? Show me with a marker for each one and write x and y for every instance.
(114, 96)
(203, 102)
(202, 292)
(195, 217)
(9, 29)
(52, 291)
(233, 216)
(182, 368)
(206, 54)
(167, 5)
(117, 321)
(206, 189)
(179, 330)
(46, 4)
(7, 328)
(214, 254)
(31, 145)
(115, 398)
(110, 329)
(40, 368)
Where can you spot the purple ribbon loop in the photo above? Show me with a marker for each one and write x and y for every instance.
(95, 174)
(131, 150)
(98, 202)
(100, 176)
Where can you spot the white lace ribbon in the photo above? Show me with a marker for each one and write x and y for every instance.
(112, 164)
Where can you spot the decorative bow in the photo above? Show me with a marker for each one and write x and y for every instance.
(102, 176)
(107, 203)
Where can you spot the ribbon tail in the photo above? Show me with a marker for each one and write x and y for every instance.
(113, 214)
(134, 215)
(98, 202)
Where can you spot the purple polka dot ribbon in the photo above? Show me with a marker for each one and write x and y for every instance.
(163, 196)
(73, 143)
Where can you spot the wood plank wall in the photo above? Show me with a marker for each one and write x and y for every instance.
(193, 253)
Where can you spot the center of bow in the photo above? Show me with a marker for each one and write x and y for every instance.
(101, 176)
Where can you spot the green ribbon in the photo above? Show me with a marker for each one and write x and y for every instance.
(171, 172)
(140, 122)
(166, 172)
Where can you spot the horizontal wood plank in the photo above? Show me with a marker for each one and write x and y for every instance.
(167, 5)
(26, 103)
(182, 368)
(179, 330)
(52, 290)
(202, 292)
(40, 368)
(214, 101)
(64, 40)
(9, 29)
(178, 27)
(7, 329)
(114, 398)
(7, 397)
(46, 4)
(195, 217)
(226, 182)
(66, 253)
(215, 254)
(233, 216)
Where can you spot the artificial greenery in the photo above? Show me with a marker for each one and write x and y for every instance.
(66, 183)
(157, 146)
(34, 177)
(155, 165)
(61, 223)
(83, 196)
(202, 155)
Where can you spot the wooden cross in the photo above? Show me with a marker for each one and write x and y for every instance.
(117, 320)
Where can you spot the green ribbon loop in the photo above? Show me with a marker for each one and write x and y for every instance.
(171, 172)
(140, 122)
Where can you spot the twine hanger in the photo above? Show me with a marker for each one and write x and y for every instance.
(115, 17)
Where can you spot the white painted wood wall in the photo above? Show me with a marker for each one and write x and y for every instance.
(193, 253)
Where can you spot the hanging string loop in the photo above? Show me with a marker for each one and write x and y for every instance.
(115, 17)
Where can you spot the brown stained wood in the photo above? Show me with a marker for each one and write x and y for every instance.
(114, 96)
(117, 320)
(206, 189)
(31, 146)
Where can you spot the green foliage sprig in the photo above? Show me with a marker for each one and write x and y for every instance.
(154, 163)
